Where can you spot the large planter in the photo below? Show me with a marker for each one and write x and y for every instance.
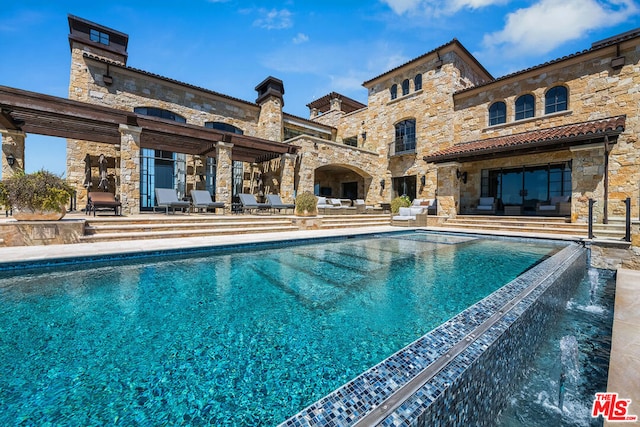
(307, 213)
(38, 215)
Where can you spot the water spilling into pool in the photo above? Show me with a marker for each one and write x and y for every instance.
(237, 338)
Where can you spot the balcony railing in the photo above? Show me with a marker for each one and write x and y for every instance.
(402, 146)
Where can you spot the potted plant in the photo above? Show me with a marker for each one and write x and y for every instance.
(306, 204)
(40, 195)
(400, 202)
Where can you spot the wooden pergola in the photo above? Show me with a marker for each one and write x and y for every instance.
(36, 113)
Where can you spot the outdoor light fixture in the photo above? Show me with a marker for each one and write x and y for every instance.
(11, 160)
(364, 135)
(107, 79)
(423, 180)
(461, 175)
(382, 183)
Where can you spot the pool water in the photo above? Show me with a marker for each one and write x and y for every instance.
(234, 338)
(576, 348)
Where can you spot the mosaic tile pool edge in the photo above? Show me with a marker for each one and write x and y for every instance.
(438, 401)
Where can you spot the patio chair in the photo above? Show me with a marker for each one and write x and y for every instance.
(324, 206)
(168, 198)
(430, 205)
(557, 205)
(362, 207)
(486, 205)
(201, 199)
(249, 203)
(103, 200)
(275, 201)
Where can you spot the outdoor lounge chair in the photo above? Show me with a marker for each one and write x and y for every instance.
(430, 205)
(275, 201)
(362, 207)
(249, 203)
(411, 216)
(168, 198)
(103, 200)
(201, 199)
(486, 205)
(557, 205)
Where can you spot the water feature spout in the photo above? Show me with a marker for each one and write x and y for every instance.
(561, 391)
(570, 366)
(593, 281)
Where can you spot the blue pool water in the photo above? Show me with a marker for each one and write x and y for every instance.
(235, 338)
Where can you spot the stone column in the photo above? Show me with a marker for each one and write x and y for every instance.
(130, 169)
(224, 172)
(587, 182)
(287, 178)
(448, 192)
(12, 145)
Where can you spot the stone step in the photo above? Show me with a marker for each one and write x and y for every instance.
(578, 230)
(111, 228)
(517, 218)
(142, 235)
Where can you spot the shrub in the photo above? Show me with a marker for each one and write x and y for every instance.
(38, 191)
(400, 202)
(306, 202)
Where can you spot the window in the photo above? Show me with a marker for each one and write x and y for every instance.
(224, 127)
(555, 100)
(525, 107)
(405, 136)
(159, 112)
(405, 87)
(99, 37)
(352, 141)
(417, 82)
(497, 113)
(394, 91)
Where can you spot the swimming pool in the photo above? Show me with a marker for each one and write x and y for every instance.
(231, 338)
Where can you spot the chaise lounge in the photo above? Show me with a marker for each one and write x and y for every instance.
(557, 205)
(167, 198)
(201, 199)
(486, 205)
(275, 201)
(103, 200)
(249, 203)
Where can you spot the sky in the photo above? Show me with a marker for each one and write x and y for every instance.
(314, 47)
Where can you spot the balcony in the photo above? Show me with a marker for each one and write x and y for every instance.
(402, 147)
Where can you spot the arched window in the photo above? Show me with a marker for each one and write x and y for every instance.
(417, 82)
(405, 136)
(525, 107)
(405, 87)
(159, 112)
(555, 100)
(224, 126)
(394, 91)
(497, 113)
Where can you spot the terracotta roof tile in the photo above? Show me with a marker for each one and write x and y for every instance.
(544, 137)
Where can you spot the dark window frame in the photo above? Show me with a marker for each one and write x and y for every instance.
(497, 113)
(394, 91)
(99, 37)
(405, 136)
(226, 127)
(417, 82)
(525, 107)
(160, 112)
(405, 87)
(556, 99)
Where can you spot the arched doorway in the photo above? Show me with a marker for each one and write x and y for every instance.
(341, 181)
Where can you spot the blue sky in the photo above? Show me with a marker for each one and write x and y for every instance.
(230, 46)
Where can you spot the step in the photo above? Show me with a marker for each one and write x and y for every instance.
(168, 234)
(157, 227)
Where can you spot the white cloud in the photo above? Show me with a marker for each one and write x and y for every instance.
(300, 38)
(438, 7)
(549, 23)
(274, 19)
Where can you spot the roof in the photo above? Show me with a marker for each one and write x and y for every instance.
(452, 43)
(611, 41)
(324, 104)
(551, 139)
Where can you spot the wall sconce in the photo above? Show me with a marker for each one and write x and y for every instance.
(107, 79)
(461, 175)
(423, 180)
(315, 145)
(11, 160)
(382, 183)
(364, 136)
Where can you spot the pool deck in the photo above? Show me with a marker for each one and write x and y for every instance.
(624, 364)
(624, 370)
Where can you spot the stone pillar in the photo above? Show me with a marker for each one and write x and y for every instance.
(448, 192)
(336, 104)
(12, 145)
(587, 182)
(130, 169)
(287, 178)
(224, 172)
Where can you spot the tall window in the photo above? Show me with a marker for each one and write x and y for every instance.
(224, 127)
(555, 100)
(525, 107)
(497, 113)
(405, 136)
(417, 82)
(405, 87)
(394, 91)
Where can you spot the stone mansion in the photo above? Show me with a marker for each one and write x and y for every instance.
(439, 126)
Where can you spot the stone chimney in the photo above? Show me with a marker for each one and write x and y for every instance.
(270, 99)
